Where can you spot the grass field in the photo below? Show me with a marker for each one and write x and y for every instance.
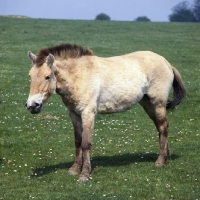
(37, 150)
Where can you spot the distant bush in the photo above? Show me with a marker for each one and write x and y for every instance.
(142, 19)
(102, 16)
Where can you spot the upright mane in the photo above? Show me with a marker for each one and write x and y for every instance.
(63, 51)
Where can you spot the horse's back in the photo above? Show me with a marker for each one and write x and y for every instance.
(144, 61)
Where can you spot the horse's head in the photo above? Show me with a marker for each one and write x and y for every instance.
(43, 83)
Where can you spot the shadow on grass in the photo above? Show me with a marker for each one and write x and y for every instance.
(106, 161)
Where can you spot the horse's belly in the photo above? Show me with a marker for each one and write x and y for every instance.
(121, 88)
(109, 107)
(114, 104)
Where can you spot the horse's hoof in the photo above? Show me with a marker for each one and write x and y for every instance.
(83, 179)
(161, 161)
(157, 164)
(73, 172)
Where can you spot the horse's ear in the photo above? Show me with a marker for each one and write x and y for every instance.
(50, 60)
(31, 57)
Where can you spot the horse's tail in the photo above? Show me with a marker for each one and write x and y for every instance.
(179, 90)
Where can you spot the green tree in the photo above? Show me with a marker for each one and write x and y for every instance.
(142, 19)
(182, 13)
(196, 9)
(102, 16)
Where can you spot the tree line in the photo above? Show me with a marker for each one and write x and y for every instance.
(182, 12)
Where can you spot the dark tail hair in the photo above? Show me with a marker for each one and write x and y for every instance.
(179, 90)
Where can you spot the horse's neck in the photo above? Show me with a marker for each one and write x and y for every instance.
(59, 64)
(61, 73)
(59, 68)
(64, 84)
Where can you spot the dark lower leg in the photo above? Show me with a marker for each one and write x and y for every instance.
(77, 123)
(164, 150)
(86, 169)
(86, 147)
(76, 167)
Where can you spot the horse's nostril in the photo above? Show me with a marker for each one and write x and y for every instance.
(37, 105)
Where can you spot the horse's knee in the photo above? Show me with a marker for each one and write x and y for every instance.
(86, 142)
(86, 146)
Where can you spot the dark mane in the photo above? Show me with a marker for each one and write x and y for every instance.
(63, 51)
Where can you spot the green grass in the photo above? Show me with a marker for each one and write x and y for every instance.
(37, 150)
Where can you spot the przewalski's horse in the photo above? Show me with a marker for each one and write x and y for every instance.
(89, 85)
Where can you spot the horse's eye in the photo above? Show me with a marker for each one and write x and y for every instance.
(47, 78)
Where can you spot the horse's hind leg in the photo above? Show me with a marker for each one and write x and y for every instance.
(77, 124)
(157, 112)
(162, 126)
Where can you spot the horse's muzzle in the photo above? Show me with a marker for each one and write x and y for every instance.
(34, 108)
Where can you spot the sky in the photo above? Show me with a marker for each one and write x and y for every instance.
(119, 10)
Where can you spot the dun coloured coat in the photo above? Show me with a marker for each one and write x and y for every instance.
(89, 85)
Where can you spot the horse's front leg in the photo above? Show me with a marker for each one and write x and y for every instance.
(77, 124)
(88, 118)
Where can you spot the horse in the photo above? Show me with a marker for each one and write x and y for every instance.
(88, 85)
